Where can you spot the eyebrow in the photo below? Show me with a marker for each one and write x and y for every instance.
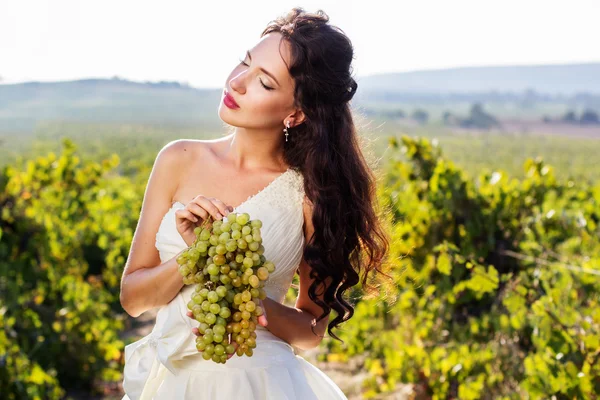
(262, 69)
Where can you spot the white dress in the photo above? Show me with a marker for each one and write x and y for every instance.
(166, 364)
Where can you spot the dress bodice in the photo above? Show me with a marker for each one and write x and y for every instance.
(279, 207)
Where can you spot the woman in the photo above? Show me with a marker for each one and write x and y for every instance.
(316, 201)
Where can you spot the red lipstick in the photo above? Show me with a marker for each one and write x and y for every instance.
(229, 101)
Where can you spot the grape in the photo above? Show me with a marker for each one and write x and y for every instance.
(221, 248)
(254, 281)
(220, 329)
(226, 262)
(211, 318)
(212, 269)
(231, 244)
(212, 296)
(219, 349)
(224, 237)
(210, 348)
(207, 338)
(203, 327)
(204, 235)
(246, 296)
(262, 273)
(215, 308)
(242, 219)
(231, 217)
(225, 312)
(221, 291)
(269, 266)
(203, 247)
(219, 259)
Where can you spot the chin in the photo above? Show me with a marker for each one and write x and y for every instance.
(225, 116)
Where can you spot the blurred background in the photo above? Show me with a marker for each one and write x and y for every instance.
(481, 119)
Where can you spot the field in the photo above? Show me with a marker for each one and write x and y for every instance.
(495, 276)
(572, 150)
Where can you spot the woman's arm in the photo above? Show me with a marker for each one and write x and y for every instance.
(150, 287)
(146, 282)
(294, 324)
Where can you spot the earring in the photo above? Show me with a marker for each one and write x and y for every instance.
(286, 131)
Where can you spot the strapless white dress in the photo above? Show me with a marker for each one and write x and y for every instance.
(165, 364)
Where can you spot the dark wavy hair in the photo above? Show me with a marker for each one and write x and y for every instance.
(349, 237)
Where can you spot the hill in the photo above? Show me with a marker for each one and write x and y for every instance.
(24, 105)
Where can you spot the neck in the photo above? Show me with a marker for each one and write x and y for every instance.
(249, 149)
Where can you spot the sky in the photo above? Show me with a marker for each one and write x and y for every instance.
(200, 42)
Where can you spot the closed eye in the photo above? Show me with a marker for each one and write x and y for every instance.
(261, 82)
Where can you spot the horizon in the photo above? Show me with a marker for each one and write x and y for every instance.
(183, 83)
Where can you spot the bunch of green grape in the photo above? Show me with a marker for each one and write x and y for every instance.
(228, 266)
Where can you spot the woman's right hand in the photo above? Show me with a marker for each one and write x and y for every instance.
(196, 212)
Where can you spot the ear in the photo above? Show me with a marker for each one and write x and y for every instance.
(296, 118)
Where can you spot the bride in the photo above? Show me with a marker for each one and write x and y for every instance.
(310, 186)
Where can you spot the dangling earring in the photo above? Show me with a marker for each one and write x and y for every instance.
(286, 131)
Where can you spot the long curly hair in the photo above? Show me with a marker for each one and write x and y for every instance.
(349, 237)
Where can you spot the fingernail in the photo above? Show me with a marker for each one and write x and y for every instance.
(219, 216)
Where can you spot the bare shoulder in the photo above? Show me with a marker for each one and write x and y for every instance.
(189, 150)
(178, 152)
(185, 152)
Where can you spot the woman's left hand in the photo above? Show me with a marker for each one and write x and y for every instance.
(262, 320)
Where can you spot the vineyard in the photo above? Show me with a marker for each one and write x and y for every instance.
(494, 288)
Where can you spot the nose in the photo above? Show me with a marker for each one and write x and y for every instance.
(237, 83)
